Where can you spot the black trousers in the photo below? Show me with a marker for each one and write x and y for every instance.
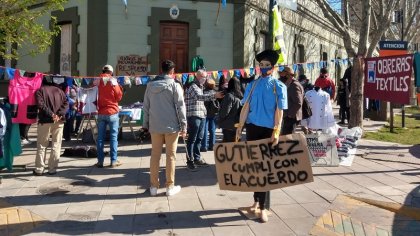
(229, 135)
(68, 128)
(24, 130)
(254, 132)
(344, 113)
(289, 125)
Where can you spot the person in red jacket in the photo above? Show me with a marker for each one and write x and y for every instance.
(326, 83)
(109, 94)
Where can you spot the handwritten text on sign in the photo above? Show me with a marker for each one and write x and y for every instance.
(132, 65)
(388, 78)
(256, 166)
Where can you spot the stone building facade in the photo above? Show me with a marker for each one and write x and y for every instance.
(98, 32)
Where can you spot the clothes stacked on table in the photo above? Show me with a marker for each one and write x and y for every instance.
(346, 141)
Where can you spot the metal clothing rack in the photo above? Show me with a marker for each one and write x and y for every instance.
(87, 123)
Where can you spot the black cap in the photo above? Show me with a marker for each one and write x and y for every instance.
(269, 55)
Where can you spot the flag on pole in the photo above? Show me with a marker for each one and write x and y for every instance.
(278, 36)
(125, 5)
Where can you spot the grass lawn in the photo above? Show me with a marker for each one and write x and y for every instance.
(412, 110)
(409, 135)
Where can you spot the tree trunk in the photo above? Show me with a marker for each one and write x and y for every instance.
(356, 100)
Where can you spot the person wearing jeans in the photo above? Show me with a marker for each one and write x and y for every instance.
(109, 94)
(113, 122)
(209, 137)
(196, 116)
(212, 108)
(195, 136)
(165, 119)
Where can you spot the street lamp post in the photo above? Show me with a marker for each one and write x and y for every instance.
(402, 39)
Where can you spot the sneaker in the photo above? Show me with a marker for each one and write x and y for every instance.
(173, 190)
(153, 191)
(115, 164)
(99, 165)
(201, 163)
(37, 173)
(264, 216)
(191, 166)
(25, 142)
(203, 149)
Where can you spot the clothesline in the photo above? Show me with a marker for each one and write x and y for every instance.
(184, 77)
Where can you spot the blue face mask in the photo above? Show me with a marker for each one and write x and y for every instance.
(264, 71)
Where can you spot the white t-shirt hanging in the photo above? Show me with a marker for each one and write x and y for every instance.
(3, 123)
(88, 100)
(322, 114)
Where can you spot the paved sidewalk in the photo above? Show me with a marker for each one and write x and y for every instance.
(83, 200)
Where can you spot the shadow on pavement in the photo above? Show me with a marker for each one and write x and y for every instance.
(94, 179)
(415, 150)
(161, 223)
(404, 225)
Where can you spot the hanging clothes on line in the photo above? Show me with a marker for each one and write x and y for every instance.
(11, 139)
(3, 127)
(88, 100)
(22, 97)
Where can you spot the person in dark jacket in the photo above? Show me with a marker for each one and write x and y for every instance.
(293, 114)
(212, 108)
(343, 101)
(52, 107)
(245, 80)
(223, 84)
(306, 84)
(230, 108)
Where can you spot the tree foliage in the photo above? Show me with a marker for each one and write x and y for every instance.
(374, 18)
(19, 27)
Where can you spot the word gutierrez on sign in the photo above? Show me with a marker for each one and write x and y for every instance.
(258, 166)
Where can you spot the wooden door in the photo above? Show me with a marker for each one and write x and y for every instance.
(174, 45)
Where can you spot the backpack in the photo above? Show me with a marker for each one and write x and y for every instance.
(306, 109)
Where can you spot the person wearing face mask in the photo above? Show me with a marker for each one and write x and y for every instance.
(293, 114)
(196, 117)
(262, 122)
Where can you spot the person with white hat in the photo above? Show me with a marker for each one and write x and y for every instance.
(109, 94)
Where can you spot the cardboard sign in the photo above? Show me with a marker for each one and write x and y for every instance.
(388, 78)
(256, 166)
(132, 65)
(322, 150)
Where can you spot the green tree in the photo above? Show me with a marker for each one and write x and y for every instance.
(19, 27)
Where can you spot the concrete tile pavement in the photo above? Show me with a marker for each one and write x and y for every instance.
(116, 201)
